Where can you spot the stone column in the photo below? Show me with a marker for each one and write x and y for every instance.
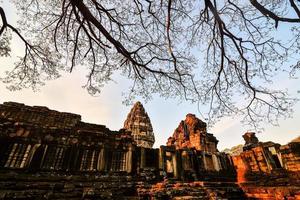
(11, 155)
(174, 161)
(60, 155)
(219, 161)
(129, 160)
(216, 162)
(143, 158)
(91, 167)
(19, 156)
(31, 153)
(25, 157)
(162, 156)
(101, 160)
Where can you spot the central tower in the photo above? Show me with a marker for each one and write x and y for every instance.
(138, 122)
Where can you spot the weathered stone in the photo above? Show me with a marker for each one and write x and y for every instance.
(46, 154)
(192, 133)
(138, 122)
(250, 140)
(266, 170)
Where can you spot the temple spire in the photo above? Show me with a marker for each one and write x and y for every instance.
(192, 133)
(138, 122)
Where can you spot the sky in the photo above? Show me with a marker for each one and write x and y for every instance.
(67, 95)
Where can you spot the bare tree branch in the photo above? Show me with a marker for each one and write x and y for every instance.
(218, 53)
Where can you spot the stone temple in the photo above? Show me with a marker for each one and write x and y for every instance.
(192, 133)
(138, 122)
(47, 154)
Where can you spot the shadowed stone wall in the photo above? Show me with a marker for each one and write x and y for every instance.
(46, 154)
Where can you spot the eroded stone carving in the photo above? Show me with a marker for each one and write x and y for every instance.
(46, 154)
(192, 133)
(138, 122)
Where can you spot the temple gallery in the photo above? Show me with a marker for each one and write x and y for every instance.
(47, 154)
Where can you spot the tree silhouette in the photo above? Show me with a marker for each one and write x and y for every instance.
(220, 53)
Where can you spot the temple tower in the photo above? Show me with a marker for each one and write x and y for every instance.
(192, 133)
(138, 122)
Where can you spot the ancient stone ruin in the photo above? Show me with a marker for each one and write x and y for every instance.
(267, 170)
(191, 153)
(138, 122)
(191, 133)
(46, 154)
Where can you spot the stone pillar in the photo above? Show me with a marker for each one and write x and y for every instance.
(169, 166)
(216, 162)
(25, 157)
(20, 155)
(10, 155)
(31, 153)
(162, 156)
(143, 158)
(175, 169)
(58, 161)
(129, 160)
(101, 160)
(219, 161)
(91, 167)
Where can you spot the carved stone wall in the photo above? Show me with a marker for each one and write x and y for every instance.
(192, 154)
(36, 138)
(192, 133)
(191, 164)
(290, 156)
(138, 122)
(269, 162)
(46, 154)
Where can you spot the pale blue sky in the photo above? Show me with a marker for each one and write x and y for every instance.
(66, 94)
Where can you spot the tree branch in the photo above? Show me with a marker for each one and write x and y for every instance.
(272, 15)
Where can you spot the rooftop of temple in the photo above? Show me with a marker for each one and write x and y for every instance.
(192, 133)
(42, 123)
(139, 123)
(38, 115)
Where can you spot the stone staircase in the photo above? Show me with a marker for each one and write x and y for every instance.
(46, 186)
(193, 190)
